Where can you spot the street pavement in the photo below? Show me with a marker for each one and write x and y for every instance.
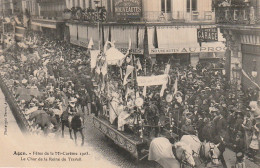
(101, 152)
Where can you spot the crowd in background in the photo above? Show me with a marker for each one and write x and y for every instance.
(206, 104)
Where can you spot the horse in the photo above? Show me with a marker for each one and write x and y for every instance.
(206, 151)
(43, 120)
(170, 155)
(76, 126)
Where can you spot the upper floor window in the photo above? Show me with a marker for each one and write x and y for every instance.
(166, 6)
(191, 4)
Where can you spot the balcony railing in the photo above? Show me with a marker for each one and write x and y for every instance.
(236, 15)
(200, 16)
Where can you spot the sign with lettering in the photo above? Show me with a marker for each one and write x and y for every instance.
(128, 9)
(187, 50)
(207, 34)
(133, 50)
(152, 80)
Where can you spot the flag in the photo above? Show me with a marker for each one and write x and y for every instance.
(144, 91)
(104, 69)
(93, 58)
(162, 90)
(129, 70)
(129, 47)
(7, 19)
(91, 43)
(139, 66)
(175, 86)
(167, 69)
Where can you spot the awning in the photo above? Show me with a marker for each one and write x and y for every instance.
(175, 39)
(83, 35)
(73, 33)
(94, 34)
(47, 24)
(123, 33)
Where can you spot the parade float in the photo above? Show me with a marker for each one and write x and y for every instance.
(125, 113)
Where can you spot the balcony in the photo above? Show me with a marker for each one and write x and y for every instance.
(179, 16)
(244, 15)
(56, 15)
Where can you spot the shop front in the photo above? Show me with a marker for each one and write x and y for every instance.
(180, 44)
(250, 65)
(123, 36)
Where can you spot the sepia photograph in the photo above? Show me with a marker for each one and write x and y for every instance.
(130, 83)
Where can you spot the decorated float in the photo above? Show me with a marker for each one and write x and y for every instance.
(125, 113)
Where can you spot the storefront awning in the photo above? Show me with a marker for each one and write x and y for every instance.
(122, 34)
(174, 39)
(81, 34)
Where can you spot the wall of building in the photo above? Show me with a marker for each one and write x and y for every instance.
(31, 6)
(153, 10)
(52, 8)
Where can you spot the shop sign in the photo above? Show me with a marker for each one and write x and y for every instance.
(187, 50)
(133, 50)
(128, 9)
(207, 34)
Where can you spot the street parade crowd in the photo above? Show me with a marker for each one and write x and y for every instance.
(49, 78)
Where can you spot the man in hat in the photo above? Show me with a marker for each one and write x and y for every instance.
(72, 110)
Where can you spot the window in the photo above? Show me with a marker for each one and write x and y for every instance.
(188, 5)
(245, 14)
(84, 4)
(163, 5)
(235, 14)
(193, 4)
(166, 6)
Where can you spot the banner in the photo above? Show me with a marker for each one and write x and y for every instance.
(152, 80)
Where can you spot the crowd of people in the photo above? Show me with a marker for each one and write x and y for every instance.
(51, 75)
(47, 76)
(206, 104)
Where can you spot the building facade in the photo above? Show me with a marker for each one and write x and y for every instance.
(10, 7)
(240, 24)
(161, 29)
(46, 16)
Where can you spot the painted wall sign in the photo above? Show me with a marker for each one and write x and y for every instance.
(187, 50)
(207, 34)
(128, 9)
